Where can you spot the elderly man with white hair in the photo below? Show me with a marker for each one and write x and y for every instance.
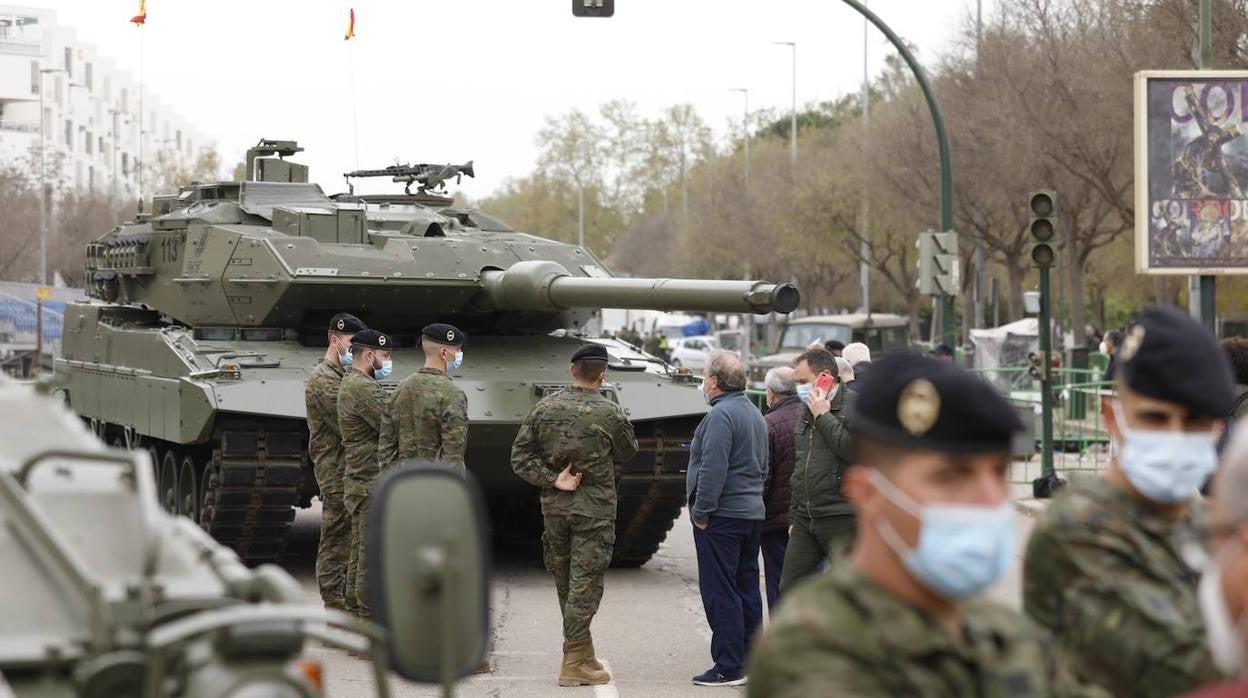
(1223, 590)
(845, 373)
(859, 357)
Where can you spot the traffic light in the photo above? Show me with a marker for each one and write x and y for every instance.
(593, 8)
(1042, 207)
(938, 263)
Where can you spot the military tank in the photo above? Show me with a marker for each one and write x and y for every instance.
(106, 595)
(206, 317)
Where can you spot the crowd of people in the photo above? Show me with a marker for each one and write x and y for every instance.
(878, 498)
(1131, 586)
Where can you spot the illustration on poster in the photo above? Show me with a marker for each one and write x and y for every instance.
(1197, 173)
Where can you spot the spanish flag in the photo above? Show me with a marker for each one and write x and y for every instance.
(350, 24)
(141, 18)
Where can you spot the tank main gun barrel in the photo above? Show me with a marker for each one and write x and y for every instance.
(544, 285)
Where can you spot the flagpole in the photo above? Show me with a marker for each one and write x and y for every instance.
(355, 120)
(140, 118)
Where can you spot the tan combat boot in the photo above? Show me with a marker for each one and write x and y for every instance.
(576, 669)
(593, 656)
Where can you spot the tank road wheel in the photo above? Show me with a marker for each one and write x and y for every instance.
(167, 484)
(209, 481)
(188, 488)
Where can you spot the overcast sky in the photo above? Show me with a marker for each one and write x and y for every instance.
(454, 80)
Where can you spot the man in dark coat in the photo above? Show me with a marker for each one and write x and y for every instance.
(782, 406)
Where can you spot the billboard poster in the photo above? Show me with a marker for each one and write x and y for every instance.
(1191, 172)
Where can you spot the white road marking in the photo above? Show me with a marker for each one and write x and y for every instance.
(606, 690)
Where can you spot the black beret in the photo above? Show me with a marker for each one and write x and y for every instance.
(590, 352)
(372, 339)
(1169, 356)
(346, 323)
(444, 334)
(921, 402)
(834, 344)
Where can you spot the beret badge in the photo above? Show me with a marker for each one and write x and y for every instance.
(918, 408)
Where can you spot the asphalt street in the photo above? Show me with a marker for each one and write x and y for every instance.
(650, 630)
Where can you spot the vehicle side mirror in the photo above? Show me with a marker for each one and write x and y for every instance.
(429, 570)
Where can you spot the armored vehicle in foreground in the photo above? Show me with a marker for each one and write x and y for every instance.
(105, 595)
(208, 316)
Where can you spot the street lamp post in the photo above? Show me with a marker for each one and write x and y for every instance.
(745, 128)
(942, 146)
(864, 248)
(116, 114)
(748, 344)
(793, 117)
(43, 181)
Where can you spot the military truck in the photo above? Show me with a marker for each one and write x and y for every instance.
(881, 332)
(207, 316)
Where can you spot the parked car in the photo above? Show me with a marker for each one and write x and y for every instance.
(692, 352)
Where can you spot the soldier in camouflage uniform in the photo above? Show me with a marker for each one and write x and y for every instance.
(325, 449)
(900, 614)
(573, 445)
(427, 416)
(361, 402)
(1112, 568)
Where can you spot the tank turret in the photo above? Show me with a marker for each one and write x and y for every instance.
(280, 253)
(208, 317)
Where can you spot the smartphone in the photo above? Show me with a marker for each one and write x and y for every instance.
(823, 381)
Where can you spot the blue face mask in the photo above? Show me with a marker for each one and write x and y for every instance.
(962, 549)
(803, 391)
(346, 359)
(384, 372)
(454, 365)
(1168, 467)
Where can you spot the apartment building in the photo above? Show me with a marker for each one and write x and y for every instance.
(89, 134)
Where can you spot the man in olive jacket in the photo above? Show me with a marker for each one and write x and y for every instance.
(821, 518)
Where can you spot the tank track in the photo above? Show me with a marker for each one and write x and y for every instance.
(251, 488)
(652, 489)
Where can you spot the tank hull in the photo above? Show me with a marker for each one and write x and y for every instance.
(232, 451)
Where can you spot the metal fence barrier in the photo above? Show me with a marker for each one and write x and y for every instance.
(1080, 440)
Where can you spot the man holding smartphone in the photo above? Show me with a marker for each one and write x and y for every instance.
(821, 518)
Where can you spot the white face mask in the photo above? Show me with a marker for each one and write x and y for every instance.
(1224, 634)
(1103, 348)
(1166, 466)
(702, 388)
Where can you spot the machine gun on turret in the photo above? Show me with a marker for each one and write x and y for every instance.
(430, 177)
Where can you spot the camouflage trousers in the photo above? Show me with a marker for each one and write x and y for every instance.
(357, 566)
(334, 550)
(577, 550)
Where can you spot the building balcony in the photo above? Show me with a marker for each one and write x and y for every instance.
(21, 47)
(19, 126)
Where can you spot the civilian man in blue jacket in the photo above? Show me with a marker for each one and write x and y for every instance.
(724, 486)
